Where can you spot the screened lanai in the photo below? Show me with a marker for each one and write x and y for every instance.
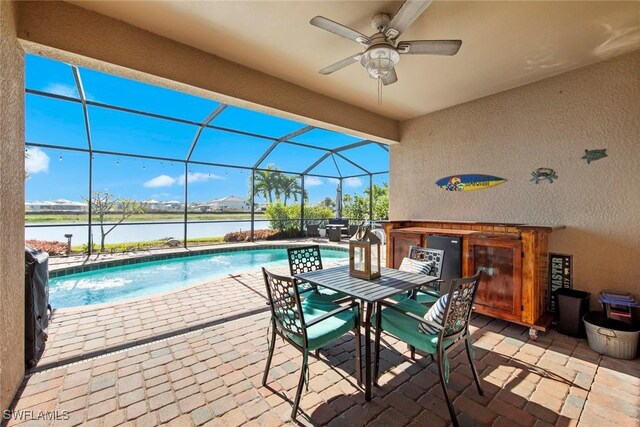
(164, 165)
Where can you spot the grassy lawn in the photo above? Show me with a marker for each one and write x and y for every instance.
(71, 217)
(121, 247)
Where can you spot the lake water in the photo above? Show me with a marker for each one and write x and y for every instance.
(132, 232)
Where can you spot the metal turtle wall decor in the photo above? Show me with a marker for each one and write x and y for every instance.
(547, 174)
(593, 155)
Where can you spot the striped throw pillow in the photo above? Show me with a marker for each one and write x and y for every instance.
(435, 315)
(414, 266)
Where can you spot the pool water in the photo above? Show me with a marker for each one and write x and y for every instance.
(150, 278)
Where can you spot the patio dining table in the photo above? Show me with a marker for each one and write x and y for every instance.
(369, 292)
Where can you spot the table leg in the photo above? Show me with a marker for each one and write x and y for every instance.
(367, 352)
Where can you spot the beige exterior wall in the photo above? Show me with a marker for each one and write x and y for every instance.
(11, 207)
(545, 124)
(79, 36)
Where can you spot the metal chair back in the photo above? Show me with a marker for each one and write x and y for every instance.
(426, 254)
(457, 313)
(303, 259)
(286, 309)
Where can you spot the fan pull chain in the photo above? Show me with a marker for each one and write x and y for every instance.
(379, 92)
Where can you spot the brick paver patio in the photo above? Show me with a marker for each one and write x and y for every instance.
(76, 333)
(211, 375)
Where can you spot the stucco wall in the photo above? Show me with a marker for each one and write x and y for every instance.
(545, 124)
(11, 207)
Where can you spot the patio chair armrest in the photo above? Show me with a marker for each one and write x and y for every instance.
(411, 315)
(332, 313)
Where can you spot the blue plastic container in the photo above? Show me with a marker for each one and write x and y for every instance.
(619, 305)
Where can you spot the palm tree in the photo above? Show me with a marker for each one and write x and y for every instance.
(289, 187)
(327, 202)
(271, 184)
(267, 183)
(380, 200)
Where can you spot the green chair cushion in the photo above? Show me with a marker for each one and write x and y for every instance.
(407, 329)
(328, 330)
(400, 297)
(331, 294)
(426, 298)
(421, 297)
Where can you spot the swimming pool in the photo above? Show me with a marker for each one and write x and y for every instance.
(153, 277)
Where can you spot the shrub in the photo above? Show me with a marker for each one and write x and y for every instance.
(283, 217)
(317, 214)
(245, 236)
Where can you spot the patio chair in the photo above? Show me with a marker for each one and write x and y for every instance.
(404, 320)
(307, 325)
(352, 229)
(303, 259)
(431, 293)
(313, 230)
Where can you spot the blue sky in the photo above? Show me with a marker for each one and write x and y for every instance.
(59, 173)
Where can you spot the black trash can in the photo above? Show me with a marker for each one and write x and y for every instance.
(571, 306)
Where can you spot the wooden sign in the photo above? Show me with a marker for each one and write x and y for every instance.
(469, 182)
(560, 275)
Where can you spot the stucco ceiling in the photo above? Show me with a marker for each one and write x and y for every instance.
(505, 44)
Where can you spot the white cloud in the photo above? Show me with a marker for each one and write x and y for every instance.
(62, 89)
(199, 177)
(334, 180)
(353, 182)
(312, 181)
(168, 181)
(36, 161)
(160, 181)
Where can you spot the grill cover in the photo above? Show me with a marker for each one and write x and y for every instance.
(36, 282)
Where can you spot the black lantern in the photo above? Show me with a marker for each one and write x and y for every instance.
(364, 254)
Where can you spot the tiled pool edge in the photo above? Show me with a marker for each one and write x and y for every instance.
(98, 265)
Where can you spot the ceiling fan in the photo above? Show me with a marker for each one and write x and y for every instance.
(383, 50)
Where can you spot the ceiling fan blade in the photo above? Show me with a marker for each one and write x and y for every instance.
(429, 47)
(341, 64)
(405, 16)
(339, 29)
(391, 78)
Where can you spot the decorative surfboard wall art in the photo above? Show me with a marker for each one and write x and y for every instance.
(469, 182)
(593, 155)
(547, 174)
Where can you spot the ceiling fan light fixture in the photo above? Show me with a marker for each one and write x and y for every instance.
(380, 61)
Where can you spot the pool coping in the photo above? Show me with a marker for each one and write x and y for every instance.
(99, 263)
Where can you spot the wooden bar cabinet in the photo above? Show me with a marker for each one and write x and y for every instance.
(514, 257)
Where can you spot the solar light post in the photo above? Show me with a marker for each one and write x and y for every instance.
(68, 236)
